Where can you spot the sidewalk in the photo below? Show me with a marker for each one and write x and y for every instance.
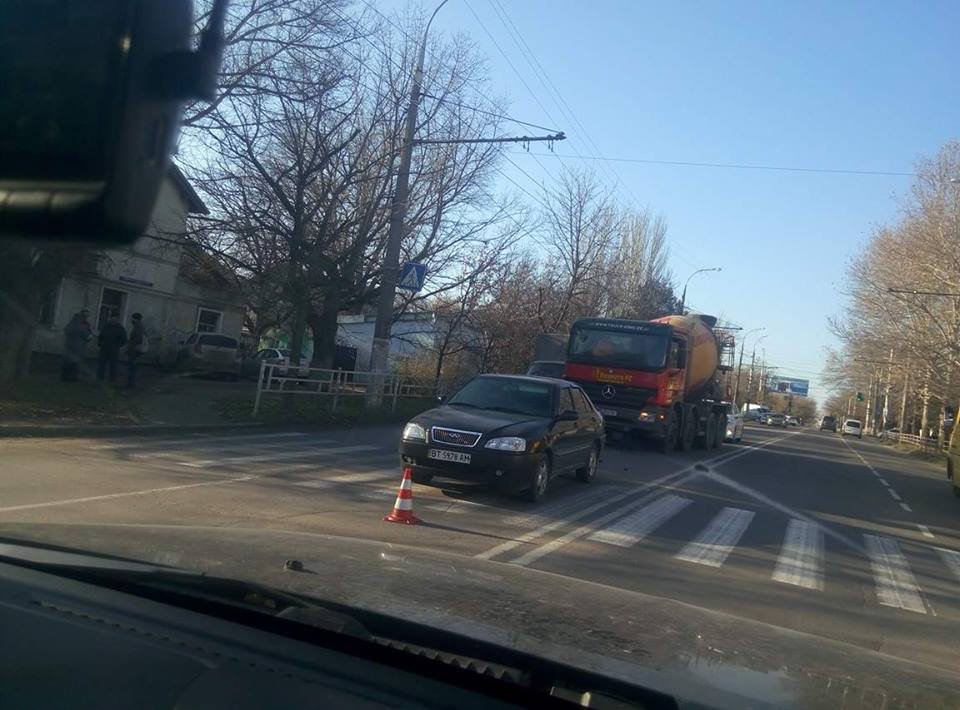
(43, 404)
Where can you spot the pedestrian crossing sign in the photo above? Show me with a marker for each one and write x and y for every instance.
(412, 276)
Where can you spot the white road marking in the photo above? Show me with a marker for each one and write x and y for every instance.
(635, 527)
(894, 494)
(925, 530)
(675, 478)
(801, 557)
(884, 483)
(896, 586)
(718, 539)
(304, 453)
(363, 477)
(240, 436)
(111, 496)
(313, 484)
(906, 507)
(951, 558)
(560, 508)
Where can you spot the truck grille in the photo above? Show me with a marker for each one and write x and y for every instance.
(455, 437)
(623, 396)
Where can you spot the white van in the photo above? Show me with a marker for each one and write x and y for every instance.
(853, 427)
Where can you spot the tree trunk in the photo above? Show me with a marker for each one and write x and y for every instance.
(903, 404)
(323, 324)
(16, 335)
(925, 413)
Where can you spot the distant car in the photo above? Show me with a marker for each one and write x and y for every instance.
(275, 356)
(546, 368)
(852, 427)
(510, 431)
(752, 415)
(776, 419)
(210, 352)
(828, 423)
(734, 430)
(764, 418)
(792, 421)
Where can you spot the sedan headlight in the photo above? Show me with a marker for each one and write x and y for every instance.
(414, 432)
(507, 443)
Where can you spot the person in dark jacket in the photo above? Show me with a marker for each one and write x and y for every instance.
(136, 346)
(75, 336)
(111, 339)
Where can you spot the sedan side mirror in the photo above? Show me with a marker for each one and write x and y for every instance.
(568, 416)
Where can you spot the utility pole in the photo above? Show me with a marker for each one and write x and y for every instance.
(886, 395)
(867, 414)
(380, 348)
(903, 400)
(743, 345)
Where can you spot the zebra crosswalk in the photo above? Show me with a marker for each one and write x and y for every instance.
(800, 561)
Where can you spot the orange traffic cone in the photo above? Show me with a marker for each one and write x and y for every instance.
(403, 509)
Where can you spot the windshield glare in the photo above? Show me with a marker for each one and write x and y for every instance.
(642, 351)
(508, 395)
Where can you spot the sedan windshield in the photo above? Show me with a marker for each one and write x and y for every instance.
(506, 395)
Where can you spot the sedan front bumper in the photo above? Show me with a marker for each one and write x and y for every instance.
(507, 470)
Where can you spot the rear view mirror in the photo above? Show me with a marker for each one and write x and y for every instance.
(93, 94)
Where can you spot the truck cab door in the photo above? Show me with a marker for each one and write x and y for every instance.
(676, 369)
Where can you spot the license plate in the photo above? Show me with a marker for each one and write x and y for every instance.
(455, 456)
(608, 412)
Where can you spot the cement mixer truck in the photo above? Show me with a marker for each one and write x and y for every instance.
(657, 378)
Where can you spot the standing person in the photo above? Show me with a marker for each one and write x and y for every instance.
(136, 346)
(111, 339)
(75, 336)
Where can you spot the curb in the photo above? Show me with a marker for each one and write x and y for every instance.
(71, 430)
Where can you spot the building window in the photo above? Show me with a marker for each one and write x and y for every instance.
(208, 321)
(111, 304)
(48, 306)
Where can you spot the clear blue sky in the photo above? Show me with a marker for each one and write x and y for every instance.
(837, 85)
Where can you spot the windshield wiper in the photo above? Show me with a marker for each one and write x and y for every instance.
(508, 410)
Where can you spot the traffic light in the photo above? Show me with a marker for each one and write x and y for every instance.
(859, 396)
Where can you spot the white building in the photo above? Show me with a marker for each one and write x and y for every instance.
(154, 276)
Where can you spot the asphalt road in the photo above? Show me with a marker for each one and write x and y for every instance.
(840, 538)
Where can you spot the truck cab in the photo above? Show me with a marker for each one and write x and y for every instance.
(655, 378)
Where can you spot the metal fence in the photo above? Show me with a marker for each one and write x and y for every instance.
(276, 378)
(916, 441)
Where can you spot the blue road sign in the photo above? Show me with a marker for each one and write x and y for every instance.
(790, 385)
(412, 276)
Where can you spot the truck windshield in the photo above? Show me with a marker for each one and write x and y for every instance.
(638, 351)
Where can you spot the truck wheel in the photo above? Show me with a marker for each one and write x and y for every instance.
(672, 435)
(704, 441)
(710, 435)
(721, 431)
(688, 430)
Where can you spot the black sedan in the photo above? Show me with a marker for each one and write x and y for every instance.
(511, 431)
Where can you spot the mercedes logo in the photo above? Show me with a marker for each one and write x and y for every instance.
(608, 392)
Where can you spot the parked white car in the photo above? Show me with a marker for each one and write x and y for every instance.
(210, 352)
(734, 430)
(275, 356)
(852, 427)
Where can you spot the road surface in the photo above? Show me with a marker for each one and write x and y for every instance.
(804, 530)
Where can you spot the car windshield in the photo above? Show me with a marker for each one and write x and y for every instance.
(683, 219)
(506, 395)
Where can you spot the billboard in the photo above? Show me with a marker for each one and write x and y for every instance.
(789, 385)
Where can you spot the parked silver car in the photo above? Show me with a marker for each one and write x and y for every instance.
(210, 352)
(734, 430)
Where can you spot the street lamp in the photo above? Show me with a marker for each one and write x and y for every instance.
(743, 344)
(683, 297)
(380, 349)
(917, 292)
